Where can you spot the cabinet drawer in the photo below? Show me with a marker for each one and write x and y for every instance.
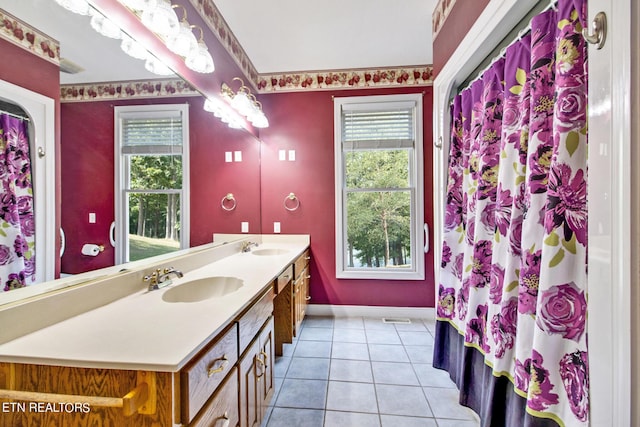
(222, 408)
(252, 320)
(205, 373)
(301, 263)
(284, 278)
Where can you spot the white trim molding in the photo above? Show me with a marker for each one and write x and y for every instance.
(427, 313)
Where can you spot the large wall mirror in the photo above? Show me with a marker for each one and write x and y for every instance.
(140, 208)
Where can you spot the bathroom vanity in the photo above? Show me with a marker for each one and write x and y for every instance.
(198, 352)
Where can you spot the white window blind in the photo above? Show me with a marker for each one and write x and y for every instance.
(389, 126)
(152, 135)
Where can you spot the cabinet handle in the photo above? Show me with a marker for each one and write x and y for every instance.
(308, 299)
(266, 358)
(220, 368)
(226, 419)
(307, 258)
(260, 361)
(308, 276)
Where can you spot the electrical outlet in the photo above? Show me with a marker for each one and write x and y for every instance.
(244, 227)
(92, 217)
(276, 227)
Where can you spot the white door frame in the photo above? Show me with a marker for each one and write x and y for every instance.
(41, 110)
(609, 259)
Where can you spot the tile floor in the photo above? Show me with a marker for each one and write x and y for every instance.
(362, 372)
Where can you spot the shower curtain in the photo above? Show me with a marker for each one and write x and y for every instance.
(511, 310)
(17, 226)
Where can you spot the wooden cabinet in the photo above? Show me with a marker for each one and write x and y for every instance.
(256, 378)
(290, 304)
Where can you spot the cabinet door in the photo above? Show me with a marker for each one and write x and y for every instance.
(265, 380)
(249, 401)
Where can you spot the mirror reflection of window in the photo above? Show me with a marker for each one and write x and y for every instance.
(152, 181)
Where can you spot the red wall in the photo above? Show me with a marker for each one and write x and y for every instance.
(22, 68)
(463, 15)
(87, 151)
(304, 122)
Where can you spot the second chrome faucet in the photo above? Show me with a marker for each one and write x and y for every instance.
(161, 277)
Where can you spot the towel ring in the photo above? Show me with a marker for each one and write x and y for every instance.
(292, 206)
(225, 202)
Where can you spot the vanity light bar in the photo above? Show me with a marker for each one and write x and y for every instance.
(245, 103)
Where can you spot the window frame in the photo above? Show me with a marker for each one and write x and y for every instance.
(416, 172)
(122, 179)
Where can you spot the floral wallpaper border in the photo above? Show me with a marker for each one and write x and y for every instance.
(129, 90)
(21, 34)
(345, 79)
(440, 15)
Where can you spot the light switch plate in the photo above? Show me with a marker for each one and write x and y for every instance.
(292, 155)
(228, 156)
(276, 227)
(244, 227)
(282, 155)
(92, 217)
(237, 156)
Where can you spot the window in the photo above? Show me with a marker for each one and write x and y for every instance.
(152, 180)
(379, 187)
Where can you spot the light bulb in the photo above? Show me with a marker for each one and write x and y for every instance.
(133, 48)
(139, 4)
(80, 7)
(200, 59)
(161, 19)
(242, 103)
(105, 26)
(183, 43)
(259, 120)
(155, 66)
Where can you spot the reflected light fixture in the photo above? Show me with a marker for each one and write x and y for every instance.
(224, 112)
(245, 103)
(133, 48)
(161, 19)
(104, 25)
(199, 59)
(80, 7)
(155, 66)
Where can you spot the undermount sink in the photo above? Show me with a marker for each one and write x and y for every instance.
(269, 251)
(202, 289)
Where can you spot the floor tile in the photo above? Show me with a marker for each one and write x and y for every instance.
(351, 370)
(457, 423)
(309, 394)
(316, 334)
(394, 373)
(388, 353)
(383, 336)
(431, 377)
(313, 349)
(287, 417)
(416, 338)
(376, 323)
(420, 353)
(401, 421)
(317, 322)
(402, 400)
(350, 419)
(347, 350)
(288, 349)
(348, 323)
(280, 366)
(349, 335)
(310, 368)
(444, 403)
(353, 397)
(416, 325)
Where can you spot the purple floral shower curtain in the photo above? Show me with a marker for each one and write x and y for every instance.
(512, 304)
(17, 227)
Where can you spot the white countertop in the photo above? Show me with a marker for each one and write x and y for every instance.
(143, 332)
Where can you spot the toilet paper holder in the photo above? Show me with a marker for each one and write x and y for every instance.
(91, 249)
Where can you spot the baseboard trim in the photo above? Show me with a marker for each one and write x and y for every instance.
(370, 311)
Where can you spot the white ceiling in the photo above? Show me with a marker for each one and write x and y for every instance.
(307, 35)
(282, 36)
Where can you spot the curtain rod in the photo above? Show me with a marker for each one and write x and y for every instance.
(478, 72)
(17, 116)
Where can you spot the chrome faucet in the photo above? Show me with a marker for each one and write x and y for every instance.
(161, 277)
(246, 246)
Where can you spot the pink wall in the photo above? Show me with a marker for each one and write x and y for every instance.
(88, 177)
(24, 69)
(304, 122)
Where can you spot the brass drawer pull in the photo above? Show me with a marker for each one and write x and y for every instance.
(226, 419)
(220, 368)
(307, 257)
(308, 299)
(260, 361)
(266, 358)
